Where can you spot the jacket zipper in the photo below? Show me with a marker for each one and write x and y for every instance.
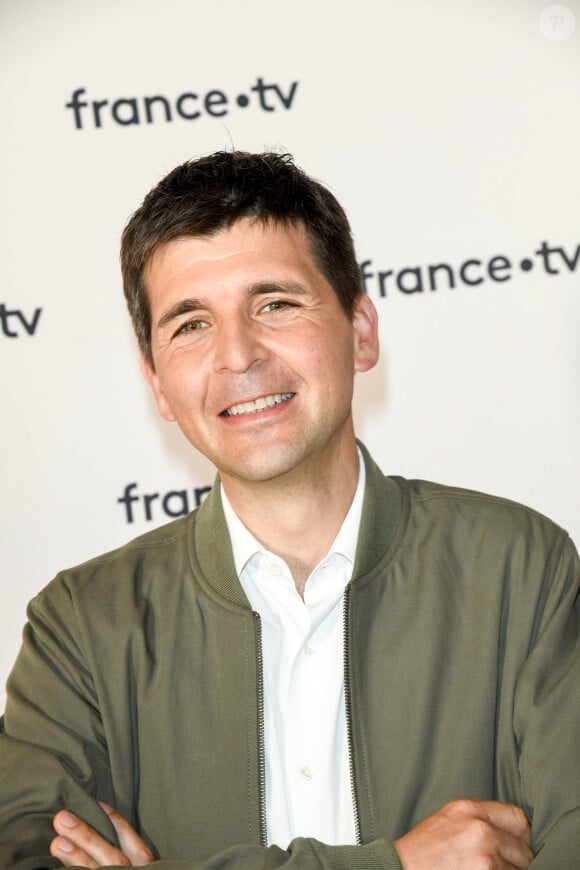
(348, 715)
(261, 747)
(348, 712)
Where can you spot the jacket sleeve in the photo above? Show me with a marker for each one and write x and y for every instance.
(53, 754)
(34, 784)
(547, 718)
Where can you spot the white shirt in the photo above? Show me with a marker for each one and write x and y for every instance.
(308, 786)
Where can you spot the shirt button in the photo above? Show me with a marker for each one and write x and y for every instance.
(306, 772)
(307, 650)
(276, 569)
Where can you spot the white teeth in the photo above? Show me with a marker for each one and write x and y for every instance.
(258, 405)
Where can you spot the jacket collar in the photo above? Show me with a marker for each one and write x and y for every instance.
(383, 517)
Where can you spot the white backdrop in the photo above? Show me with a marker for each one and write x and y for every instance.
(451, 133)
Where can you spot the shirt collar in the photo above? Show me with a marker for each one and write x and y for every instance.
(245, 545)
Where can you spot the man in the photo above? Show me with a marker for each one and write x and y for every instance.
(321, 667)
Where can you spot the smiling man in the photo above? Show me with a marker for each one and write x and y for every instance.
(254, 356)
(320, 667)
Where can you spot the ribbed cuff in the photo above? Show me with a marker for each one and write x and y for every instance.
(378, 855)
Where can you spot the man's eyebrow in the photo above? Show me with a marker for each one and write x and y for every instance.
(184, 306)
(261, 288)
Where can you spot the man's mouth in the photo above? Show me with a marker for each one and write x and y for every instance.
(261, 404)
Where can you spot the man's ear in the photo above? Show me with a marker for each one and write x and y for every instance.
(365, 322)
(152, 379)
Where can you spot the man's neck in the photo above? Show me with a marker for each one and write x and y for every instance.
(297, 517)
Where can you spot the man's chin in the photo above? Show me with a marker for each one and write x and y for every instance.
(263, 467)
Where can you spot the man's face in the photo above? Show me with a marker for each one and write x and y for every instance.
(254, 355)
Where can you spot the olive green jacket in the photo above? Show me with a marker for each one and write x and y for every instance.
(139, 684)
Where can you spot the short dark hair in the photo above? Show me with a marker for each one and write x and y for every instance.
(202, 197)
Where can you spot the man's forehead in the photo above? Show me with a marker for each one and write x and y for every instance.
(244, 227)
(274, 245)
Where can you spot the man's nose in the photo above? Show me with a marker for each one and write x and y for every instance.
(238, 345)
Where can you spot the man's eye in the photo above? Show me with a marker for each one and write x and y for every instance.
(191, 326)
(278, 305)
